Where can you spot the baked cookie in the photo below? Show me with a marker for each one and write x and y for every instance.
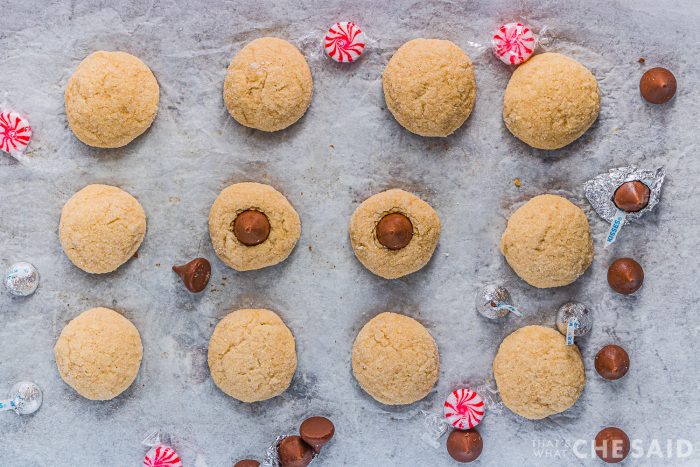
(99, 354)
(429, 87)
(548, 242)
(253, 226)
(252, 356)
(394, 233)
(550, 101)
(111, 99)
(268, 85)
(537, 374)
(101, 228)
(395, 359)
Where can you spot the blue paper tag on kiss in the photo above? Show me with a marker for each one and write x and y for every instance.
(615, 226)
(571, 327)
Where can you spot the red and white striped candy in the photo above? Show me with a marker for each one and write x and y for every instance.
(344, 42)
(464, 409)
(162, 456)
(15, 133)
(513, 43)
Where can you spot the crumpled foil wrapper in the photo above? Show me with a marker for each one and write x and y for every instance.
(27, 396)
(272, 458)
(600, 190)
(576, 311)
(493, 302)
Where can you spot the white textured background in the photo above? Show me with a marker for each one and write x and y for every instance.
(345, 149)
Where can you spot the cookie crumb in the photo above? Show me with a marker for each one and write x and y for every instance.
(517, 182)
(642, 60)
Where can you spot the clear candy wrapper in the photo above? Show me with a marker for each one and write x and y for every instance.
(160, 454)
(515, 42)
(600, 191)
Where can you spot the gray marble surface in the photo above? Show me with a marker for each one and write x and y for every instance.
(345, 149)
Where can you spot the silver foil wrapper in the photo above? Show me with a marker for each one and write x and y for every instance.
(494, 302)
(21, 279)
(28, 397)
(580, 313)
(600, 190)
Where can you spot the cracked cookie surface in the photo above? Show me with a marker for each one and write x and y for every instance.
(99, 354)
(395, 359)
(252, 355)
(550, 101)
(548, 242)
(111, 99)
(285, 226)
(429, 86)
(268, 85)
(101, 228)
(391, 264)
(537, 374)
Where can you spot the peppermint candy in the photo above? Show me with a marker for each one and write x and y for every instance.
(344, 42)
(513, 43)
(162, 456)
(464, 409)
(15, 133)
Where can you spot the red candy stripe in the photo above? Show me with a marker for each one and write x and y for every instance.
(464, 409)
(162, 456)
(15, 133)
(344, 42)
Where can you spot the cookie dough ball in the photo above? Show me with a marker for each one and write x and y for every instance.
(101, 228)
(429, 87)
(548, 242)
(242, 237)
(394, 233)
(99, 354)
(111, 99)
(268, 85)
(252, 356)
(395, 359)
(550, 101)
(537, 374)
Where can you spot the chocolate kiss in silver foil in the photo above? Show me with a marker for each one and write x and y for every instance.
(577, 311)
(493, 302)
(601, 189)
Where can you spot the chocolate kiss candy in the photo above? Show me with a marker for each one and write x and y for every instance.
(632, 196)
(247, 463)
(612, 445)
(612, 362)
(251, 227)
(195, 274)
(465, 445)
(394, 231)
(294, 452)
(316, 431)
(625, 276)
(658, 85)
